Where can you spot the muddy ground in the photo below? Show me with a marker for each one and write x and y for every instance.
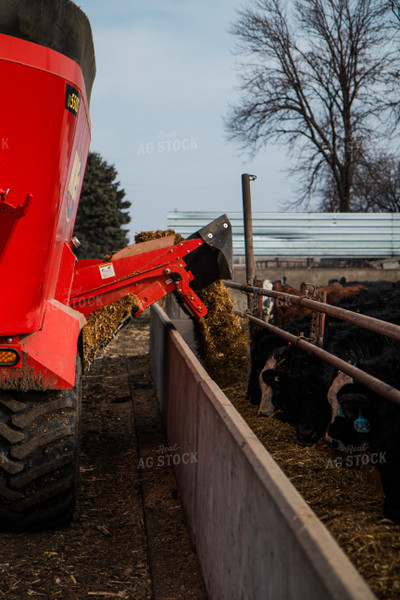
(129, 537)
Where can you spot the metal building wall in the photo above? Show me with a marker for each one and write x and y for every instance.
(336, 235)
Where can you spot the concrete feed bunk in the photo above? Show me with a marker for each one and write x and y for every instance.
(255, 535)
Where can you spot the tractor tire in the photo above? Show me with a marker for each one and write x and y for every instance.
(39, 457)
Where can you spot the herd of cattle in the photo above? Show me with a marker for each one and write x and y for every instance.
(324, 402)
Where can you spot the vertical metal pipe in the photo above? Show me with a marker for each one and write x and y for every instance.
(248, 231)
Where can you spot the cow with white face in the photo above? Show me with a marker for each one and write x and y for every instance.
(324, 402)
(340, 380)
(286, 379)
(293, 383)
(267, 302)
(267, 407)
(365, 418)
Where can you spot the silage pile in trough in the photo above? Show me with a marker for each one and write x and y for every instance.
(222, 338)
(348, 500)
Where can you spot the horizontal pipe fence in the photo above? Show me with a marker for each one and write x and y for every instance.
(383, 327)
(376, 325)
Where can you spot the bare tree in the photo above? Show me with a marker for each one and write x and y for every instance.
(376, 186)
(395, 7)
(318, 76)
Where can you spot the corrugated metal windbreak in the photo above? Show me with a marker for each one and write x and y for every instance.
(366, 235)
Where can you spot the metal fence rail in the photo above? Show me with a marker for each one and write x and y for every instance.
(378, 386)
(383, 327)
(376, 325)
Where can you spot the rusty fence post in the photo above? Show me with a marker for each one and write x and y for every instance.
(248, 232)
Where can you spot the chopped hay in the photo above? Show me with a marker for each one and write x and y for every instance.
(104, 323)
(145, 236)
(222, 336)
(347, 500)
(108, 257)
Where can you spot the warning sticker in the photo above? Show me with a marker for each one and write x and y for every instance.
(107, 271)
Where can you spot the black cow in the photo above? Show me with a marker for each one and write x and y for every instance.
(315, 396)
(299, 385)
(284, 378)
(367, 417)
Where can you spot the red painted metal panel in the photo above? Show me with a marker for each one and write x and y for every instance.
(145, 270)
(44, 141)
(49, 355)
(65, 275)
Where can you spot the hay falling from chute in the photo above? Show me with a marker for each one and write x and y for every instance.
(103, 324)
(222, 337)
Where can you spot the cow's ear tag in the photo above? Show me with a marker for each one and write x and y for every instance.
(361, 425)
(341, 413)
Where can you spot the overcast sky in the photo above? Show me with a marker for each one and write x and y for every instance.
(165, 77)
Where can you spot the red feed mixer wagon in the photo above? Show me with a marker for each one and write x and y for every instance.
(47, 68)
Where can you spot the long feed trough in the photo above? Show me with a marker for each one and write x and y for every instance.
(255, 536)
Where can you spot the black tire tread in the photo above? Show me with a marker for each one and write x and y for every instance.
(22, 479)
(9, 494)
(53, 490)
(40, 411)
(10, 466)
(39, 457)
(11, 435)
(22, 451)
(11, 403)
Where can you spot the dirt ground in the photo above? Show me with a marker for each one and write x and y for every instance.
(129, 537)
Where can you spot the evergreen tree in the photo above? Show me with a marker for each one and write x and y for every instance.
(102, 211)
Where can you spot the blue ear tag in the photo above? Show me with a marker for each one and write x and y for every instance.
(361, 425)
(341, 413)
